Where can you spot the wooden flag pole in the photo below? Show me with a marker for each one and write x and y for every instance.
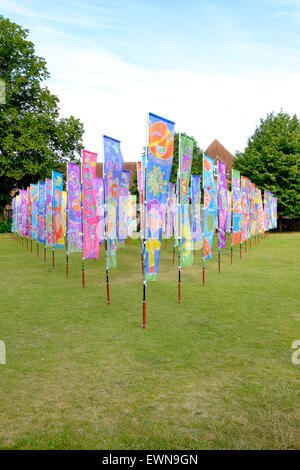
(67, 234)
(82, 236)
(241, 246)
(37, 248)
(106, 241)
(53, 249)
(179, 219)
(145, 225)
(141, 230)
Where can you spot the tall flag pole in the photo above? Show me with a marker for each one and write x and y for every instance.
(145, 217)
(112, 174)
(179, 219)
(210, 209)
(223, 209)
(185, 244)
(158, 164)
(139, 171)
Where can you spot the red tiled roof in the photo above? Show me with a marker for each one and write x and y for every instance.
(217, 151)
(128, 166)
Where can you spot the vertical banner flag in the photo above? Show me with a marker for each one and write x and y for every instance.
(196, 201)
(185, 162)
(256, 198)
(210, 204)
(42, 204)
(267, 210)
(13, 215)
(24, 212)
(245, 209)
(49, 215)
(100, 209)
(122, 229)
(74, 208)
(261, 214)
(223, 203)
(159, 164)
(229, 211)
(274, 212)
(170, 211)
(236, 207)
(34, 197)
(29, 207)
(89, 205)
(140, 183)
(64, 212)
(113, 167)
(131, 214)
(57, 188)
(252, 210)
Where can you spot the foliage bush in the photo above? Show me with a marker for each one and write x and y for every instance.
(5, 225)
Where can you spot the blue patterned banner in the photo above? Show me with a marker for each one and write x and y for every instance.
(159, 164)
(210, 205)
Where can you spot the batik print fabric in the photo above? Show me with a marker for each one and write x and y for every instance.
(229, 211)
(223, 203)
(24, 213)
(245, 209)
(42, 204)
(158, 168)
(29, 208)
(113, 167)
(261, 214)
(267, 209)
(196, 200)
(34, 197)
(236, 207)
(74, 208)
(89, 205)
(100, 209)
(49, 214)
(170, 211)
(210, 205)
(131, 214)
(57, 189)
(274, 212)
(185, 162)
(253, 220)
(122, 229)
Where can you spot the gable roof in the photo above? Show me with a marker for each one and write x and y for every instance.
(217, 151)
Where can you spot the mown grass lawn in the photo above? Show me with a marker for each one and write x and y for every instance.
(213, 372)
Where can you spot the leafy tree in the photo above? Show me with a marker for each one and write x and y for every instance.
(33, 139)
(272, 161)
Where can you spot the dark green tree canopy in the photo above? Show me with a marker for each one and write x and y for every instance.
(272, 160)
(34, 140)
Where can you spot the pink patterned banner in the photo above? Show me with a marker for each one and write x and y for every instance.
(89, 203)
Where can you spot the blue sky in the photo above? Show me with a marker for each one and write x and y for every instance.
(214, 67)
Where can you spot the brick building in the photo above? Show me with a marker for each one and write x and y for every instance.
(128, 166)
(218, 152)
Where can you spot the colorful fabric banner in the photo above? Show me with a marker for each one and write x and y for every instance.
(223, 203)
(100, 209)
(210, 205)
(42, 204)
(113, 167)
(122, 228)
(267, 209)
(131, 214)
(57, 188)
(140, 180)
(64, 211)
(245, 183)
(185, 162)
(49, 214)
(89, 205)
(29, 207)
(34, 197)
(236, 206)
(74, 208)
(274, 225)
(24, 213)
(158, 168)
(170, 211)
(229, 211)
(261, 214)
(196, 200)
(253, 215)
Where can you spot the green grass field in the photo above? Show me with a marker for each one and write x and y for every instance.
(212, 373)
